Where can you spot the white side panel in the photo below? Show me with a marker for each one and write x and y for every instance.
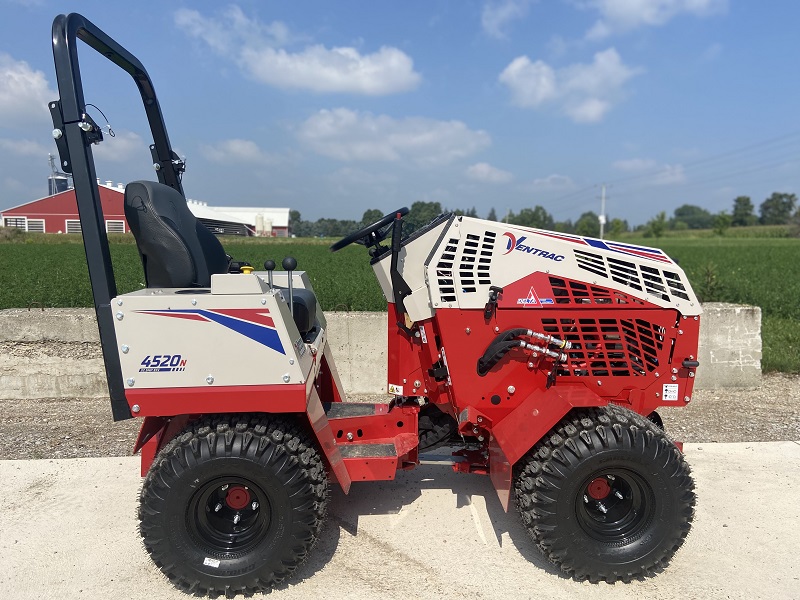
(476, 254)
(411, 266)
(168, 338)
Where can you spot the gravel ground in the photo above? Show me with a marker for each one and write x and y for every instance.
(81, 427)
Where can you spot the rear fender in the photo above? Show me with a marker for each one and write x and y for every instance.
(156, 432)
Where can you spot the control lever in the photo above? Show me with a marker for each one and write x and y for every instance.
(491, 305)
(289, 264)
(269, 267)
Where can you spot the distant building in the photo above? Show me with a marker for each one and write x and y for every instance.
(58, 213)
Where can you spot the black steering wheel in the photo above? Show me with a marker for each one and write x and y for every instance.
(371, 234)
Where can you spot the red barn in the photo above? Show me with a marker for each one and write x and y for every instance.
(59, 213)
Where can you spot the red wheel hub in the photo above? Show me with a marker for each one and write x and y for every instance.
(599, 488)
(237, 498)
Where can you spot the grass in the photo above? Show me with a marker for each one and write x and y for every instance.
(50, 271)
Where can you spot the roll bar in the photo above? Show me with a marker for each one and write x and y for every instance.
(75, 132)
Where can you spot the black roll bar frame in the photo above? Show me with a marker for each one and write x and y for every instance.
(75, 132)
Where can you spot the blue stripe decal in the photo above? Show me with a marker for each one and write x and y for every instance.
(259, 333)
(596, 243)
(639, 248)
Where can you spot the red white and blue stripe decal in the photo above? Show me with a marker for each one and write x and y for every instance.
(255, 324)
(637, 251)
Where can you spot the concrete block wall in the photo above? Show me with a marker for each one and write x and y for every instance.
(730, 346)
(56, 352)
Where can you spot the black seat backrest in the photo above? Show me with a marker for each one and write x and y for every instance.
(177, 250)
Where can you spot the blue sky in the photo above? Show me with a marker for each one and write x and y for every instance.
(332, 108)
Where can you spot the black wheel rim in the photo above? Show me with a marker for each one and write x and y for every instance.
(229, 516)
(615, 506)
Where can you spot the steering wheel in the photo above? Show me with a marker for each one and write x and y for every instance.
(371, 234)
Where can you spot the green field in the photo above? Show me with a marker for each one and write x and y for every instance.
(50, 271)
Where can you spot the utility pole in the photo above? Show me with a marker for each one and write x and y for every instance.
(602, 216)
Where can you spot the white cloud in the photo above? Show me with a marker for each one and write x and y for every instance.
(497, 14)
(632, 165)
(554, 182)
(669, 175)
(124, 146)
(585, 92)
(24, 94)
(25, 148)
(237, 151)
(257, 49)
(651, 172)
(712, 53)
(486, 173)
(620, 16)
(349, 135)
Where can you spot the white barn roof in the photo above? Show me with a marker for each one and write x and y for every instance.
(279, 217)
(202, 211)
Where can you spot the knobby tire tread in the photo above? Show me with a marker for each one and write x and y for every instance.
(283, 445)
(546, 469)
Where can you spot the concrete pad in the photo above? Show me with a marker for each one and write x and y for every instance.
(68, 530)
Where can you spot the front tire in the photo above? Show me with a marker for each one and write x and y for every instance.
(233, 504)
(606, 495)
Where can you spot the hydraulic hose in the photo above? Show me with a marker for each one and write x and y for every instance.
(508, 339)
(495, 353)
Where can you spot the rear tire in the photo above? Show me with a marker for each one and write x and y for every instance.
(606, 495)
(233, 504)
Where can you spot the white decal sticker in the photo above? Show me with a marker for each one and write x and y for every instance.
(670, 392)
(422, 333)
(397, 390)
(211, 562)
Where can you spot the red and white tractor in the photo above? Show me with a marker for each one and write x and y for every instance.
(539, 358)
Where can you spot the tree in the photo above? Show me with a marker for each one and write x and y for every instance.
(492, 216)
(588, 224)
(743, 212)
(421, 213)
(655, 227)
(295, 222)
(617, 226)
(722, 221)
(695, 217)
(371, 215)
(777, 209)
(536, 217)
(564, 226)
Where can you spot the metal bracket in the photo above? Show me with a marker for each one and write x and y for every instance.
(59, 135)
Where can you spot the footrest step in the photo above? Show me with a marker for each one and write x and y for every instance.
(367, 450)
(343, 410)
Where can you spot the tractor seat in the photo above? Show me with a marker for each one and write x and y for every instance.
(176, 249)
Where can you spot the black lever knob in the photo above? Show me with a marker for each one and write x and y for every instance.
(289, 263)
(269, 265)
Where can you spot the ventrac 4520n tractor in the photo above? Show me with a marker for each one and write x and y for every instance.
(539, 359)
